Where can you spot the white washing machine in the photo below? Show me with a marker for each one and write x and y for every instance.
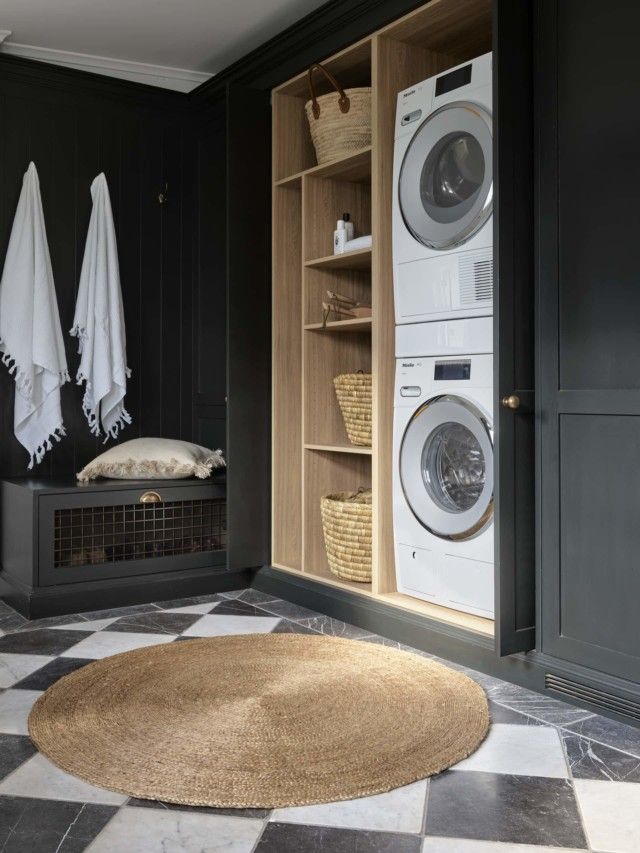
(443, 196)
(443, 463)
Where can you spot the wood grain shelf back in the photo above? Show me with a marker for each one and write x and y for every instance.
(354, 167)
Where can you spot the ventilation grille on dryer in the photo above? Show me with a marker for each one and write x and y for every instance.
(475, 272)
(584, 693)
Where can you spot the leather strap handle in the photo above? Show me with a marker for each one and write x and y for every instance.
(343, 101)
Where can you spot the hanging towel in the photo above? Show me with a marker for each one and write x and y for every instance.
(99, 322)
(30, 335)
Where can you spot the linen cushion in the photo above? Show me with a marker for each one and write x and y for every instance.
(153, 459)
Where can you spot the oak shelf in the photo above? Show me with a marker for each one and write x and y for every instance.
(355, 167)
(356, 324)
(360, 259)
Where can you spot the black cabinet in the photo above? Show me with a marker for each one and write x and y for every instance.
(589, 344)
(69, 547)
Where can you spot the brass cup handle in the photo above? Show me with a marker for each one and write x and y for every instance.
(511, 402)
(150, 498)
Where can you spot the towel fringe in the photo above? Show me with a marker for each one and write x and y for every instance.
(23, 381)
(38, 454)
(123, 420)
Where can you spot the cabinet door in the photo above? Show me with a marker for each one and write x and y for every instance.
(589, 376)
(513, 326)
(112, 534)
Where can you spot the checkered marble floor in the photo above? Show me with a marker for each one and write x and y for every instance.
(549, 776)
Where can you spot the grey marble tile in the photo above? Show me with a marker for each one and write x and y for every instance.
(290, 838)
(611, 814)
(334, 627)
(588, 759)
(51, 621)
(120, 611)
(609, 732)
(156, 622)
(260, 814)
(236, 607)
(233, 593)
(545, 708)
(285, 626)
(11, 621)
(500, 714)
(43, 678)
(38, 778)
(14, 751)
(46, 826)
(504, 808)
(377, 640)
(44, 641)
(288, 610)
(194, 599)
(255, 596)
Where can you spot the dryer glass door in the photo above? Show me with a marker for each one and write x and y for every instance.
(446, 467)
(446, 179)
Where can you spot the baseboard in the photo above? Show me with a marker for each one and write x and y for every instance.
(529, 670)
(120, 592)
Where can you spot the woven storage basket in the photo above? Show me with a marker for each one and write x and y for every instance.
(340, 122)
(346, 522)
(353, 391)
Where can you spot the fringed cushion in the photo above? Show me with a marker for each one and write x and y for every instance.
(153, 459)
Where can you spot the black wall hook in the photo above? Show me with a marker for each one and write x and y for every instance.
(164, 194)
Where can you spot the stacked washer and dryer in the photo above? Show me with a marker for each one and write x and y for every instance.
(443, 289)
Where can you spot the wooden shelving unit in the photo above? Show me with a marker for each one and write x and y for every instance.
(311, 453)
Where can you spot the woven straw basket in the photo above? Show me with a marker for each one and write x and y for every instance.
(340, 122)
(346, 522)
(353, 391)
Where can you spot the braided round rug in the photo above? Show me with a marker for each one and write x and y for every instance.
(259, 720)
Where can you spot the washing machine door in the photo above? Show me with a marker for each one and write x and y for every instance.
(446, 467)
(445, 187)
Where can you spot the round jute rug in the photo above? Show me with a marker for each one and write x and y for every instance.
(260, 720)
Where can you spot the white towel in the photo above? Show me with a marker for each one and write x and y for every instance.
(99, 322)
(30, 334)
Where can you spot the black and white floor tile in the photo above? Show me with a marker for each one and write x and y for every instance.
(549, 776)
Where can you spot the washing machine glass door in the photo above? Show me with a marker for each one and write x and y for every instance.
(446, 179)
(446, 467)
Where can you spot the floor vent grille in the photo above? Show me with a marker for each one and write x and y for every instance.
(583, 693)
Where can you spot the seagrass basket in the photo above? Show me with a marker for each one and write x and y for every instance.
(346, 523)
(353, 391)
(340, 122)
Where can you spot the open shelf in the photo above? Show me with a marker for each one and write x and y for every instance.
(357, 324)
(355, 167)
(360, 259)
(340, 448)
(312, 454)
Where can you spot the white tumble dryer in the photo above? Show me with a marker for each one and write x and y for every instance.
(443, 463)
(443, 196)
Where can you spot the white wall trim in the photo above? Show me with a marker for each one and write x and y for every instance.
(178, 79)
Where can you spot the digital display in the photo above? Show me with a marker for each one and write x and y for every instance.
(453, 80)
(452, 370)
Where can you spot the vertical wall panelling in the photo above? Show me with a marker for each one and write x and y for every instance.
(74, 126)
(248, 343)
(209, 354)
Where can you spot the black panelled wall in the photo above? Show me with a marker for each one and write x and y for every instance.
(74, 126)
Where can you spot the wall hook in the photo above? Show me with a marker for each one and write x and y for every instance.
(163, 196)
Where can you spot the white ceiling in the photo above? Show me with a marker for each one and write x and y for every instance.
(194, 35)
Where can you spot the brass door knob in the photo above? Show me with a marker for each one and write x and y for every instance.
(511, 402)
(150, 498)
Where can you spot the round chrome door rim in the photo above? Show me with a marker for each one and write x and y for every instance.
(461, 116)
(428, 417)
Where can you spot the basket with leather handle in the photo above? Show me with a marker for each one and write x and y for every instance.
(340, 122)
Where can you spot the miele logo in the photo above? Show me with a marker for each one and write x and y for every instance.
(408, 364)
(406, 94)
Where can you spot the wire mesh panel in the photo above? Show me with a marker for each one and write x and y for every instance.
(92, 535)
